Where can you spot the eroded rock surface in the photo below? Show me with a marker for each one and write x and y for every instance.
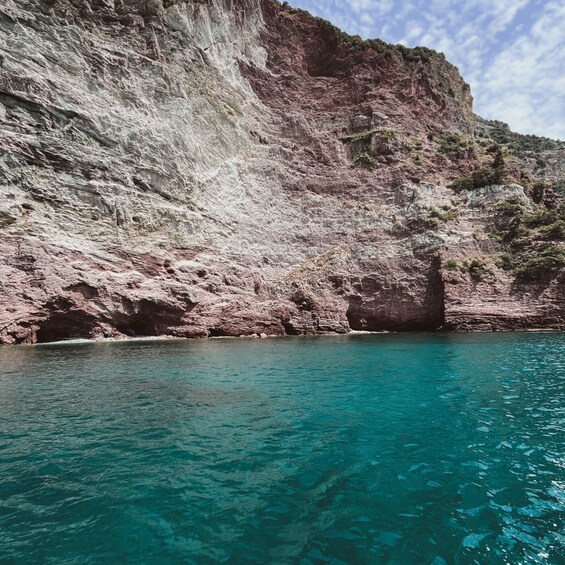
(232, 168)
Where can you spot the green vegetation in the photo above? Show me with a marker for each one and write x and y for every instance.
(512, 207)
(498, 163)
(517, 235)
(543, 217)
(387, 133)
(362, 141)
(539, 265)
(484, 176)
(355, 42)
(538, 192)
(506, 261)
(531, 240)
(519, 144)
(476, 267)
(541, 163)
(462, 183)
(477, 179)
(540, 155)
(550, 260)
(517, 227)
(452, 144)
(548, 193)
(554, 231)
(365, 161)
(361, 136)
(446, 214)
(550, 224)
(559, 188)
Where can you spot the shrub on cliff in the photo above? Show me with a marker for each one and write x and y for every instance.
(542, 218)
(511, 207)
(365, 161)
(506, 261)
(484, 176)
(461, 184)
(559, 188)
(499, 166)
(446, 214)
(551, 223)
(477, 179)
(538, 192)
(554, 232)
(519, 144)
(363, 136)
(516, 227)
(452, 144)
(476, 267)
(550, 261)
(517, 235)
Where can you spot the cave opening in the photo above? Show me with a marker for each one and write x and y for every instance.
(66, 325)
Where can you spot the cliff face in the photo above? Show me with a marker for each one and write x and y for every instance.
(235, 167)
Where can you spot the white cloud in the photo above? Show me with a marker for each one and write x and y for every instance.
(525, 83)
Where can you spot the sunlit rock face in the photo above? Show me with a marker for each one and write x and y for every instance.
(233, 167)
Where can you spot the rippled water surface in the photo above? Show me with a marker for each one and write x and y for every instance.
(359, 449)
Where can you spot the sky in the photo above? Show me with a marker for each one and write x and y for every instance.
(511, 52)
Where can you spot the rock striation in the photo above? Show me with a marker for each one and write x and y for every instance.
(238, 167)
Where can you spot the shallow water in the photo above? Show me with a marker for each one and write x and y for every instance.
(359, 449)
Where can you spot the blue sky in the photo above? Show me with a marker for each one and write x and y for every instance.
(511, 52)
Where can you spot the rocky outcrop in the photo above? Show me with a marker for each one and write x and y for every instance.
(542, 158)
(226, 168)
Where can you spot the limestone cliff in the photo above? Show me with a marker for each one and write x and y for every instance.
(238, 167)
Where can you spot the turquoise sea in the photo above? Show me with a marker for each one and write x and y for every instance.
(404, 449)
